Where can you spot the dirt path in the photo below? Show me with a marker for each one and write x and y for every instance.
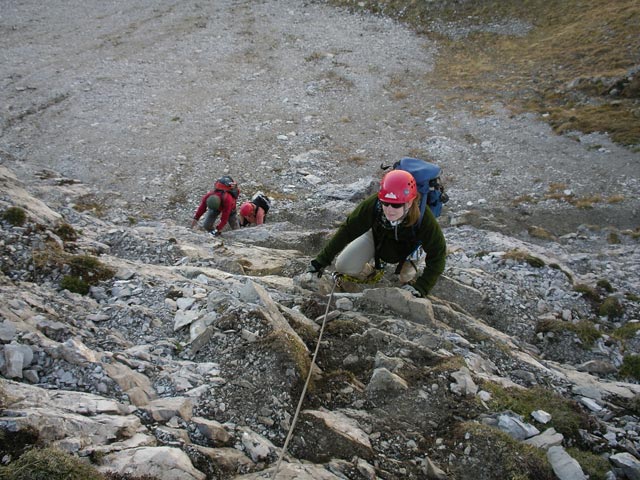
(147, 102)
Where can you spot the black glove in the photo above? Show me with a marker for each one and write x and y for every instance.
(316, 268)
(411, 289)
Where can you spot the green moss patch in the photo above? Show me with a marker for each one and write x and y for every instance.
(584, 329)
(566, 415)
(507, 458)
(343, 328)
(291, 350)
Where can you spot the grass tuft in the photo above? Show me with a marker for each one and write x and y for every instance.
(604, 284)
(507, 457)
(584, 329)
(74, 284)
(16, 216)
(520, 256)
(89, 203)
(80, 271)
(627, 331)
(539, 232)
(66, 232)
(611, 308)
(49, 464)
(630, 367)
(587, 292)
(594, 465)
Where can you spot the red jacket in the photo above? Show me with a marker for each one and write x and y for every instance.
(227, 205)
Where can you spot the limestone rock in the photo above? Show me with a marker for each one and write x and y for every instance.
(164, 463)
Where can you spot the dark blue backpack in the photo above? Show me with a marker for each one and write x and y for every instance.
(427, 177)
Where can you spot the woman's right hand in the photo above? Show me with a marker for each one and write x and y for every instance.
(316, 268)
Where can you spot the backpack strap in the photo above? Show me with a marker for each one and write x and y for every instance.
(423, 206)
(376, 255)
(222, 194)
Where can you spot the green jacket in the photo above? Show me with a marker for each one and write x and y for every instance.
(368, 215)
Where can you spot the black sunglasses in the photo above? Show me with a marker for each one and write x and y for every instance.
(392, 205)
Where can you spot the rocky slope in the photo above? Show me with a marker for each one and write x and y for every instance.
(192, 357)
(187, 355)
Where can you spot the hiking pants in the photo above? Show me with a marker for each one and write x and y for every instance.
(211, 216)
(355, 259)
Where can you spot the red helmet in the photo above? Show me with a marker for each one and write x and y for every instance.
(246, 209)
(398, 186)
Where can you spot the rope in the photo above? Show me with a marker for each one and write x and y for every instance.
(306, 383)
